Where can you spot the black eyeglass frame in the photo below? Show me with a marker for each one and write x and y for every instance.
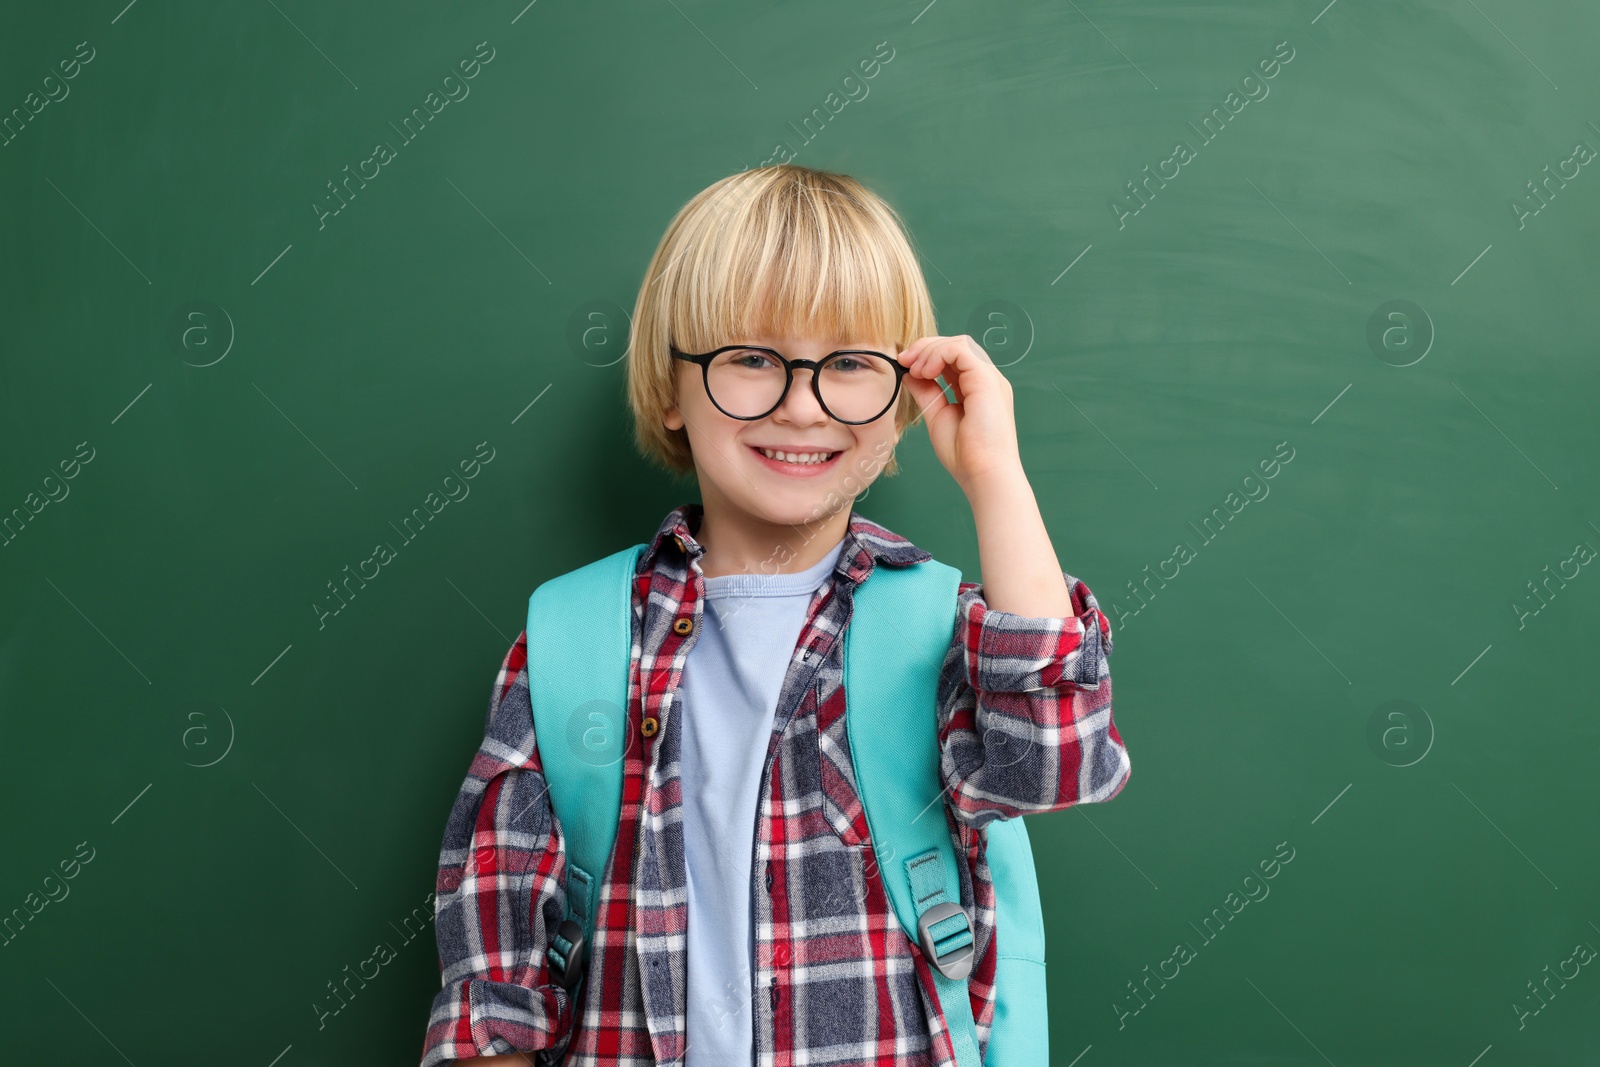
(813, 365)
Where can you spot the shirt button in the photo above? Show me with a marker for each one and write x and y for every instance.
(648, 726)
(769, 877)
(682, 626)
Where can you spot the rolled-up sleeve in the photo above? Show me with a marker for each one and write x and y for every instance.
(499, 892)
(1025, 710)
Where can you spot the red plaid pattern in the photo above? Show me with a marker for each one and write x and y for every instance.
(1024, 726)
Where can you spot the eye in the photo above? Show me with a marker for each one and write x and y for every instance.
(749, 359)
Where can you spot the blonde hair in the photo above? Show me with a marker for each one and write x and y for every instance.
(781, 250)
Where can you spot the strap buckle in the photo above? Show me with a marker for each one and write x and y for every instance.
(566, 954)
(956, 963)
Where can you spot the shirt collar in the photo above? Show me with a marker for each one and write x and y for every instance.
(865, 544)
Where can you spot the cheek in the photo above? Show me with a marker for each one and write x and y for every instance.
(695, 408)
(876, 444)
(883, 432)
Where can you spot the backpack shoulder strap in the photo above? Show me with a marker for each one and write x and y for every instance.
(579, 631)
(900, 628)
(899, 631)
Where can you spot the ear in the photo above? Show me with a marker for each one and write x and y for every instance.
(672, 418)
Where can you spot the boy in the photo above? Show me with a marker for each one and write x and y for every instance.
(783, 341)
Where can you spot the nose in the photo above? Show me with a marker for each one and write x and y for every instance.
(800, 404)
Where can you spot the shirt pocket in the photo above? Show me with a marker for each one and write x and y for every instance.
(841, 804)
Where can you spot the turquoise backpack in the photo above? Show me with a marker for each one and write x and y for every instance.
(579, 638)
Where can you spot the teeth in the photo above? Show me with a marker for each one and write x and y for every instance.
(797, 457)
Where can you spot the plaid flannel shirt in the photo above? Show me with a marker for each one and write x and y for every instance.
(837, 979)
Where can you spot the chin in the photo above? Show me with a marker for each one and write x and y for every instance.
(798, 507)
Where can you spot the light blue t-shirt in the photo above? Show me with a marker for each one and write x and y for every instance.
(729, 698)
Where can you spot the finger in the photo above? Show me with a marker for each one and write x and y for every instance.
(963, 356)
(908, 355)
(930, 398)
(931, 361)
(979, 351)
(954, 358)
(969, 363)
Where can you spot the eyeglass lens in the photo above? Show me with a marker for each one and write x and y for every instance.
(855, 386)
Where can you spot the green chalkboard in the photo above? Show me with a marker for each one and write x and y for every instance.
(1297, 300)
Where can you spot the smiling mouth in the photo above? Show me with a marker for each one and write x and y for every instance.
(796, 463)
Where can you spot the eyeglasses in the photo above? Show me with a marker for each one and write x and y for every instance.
(853, 385)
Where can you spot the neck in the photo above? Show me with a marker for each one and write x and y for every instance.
(746, 544)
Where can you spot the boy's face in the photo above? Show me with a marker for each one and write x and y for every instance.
(734, 474)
